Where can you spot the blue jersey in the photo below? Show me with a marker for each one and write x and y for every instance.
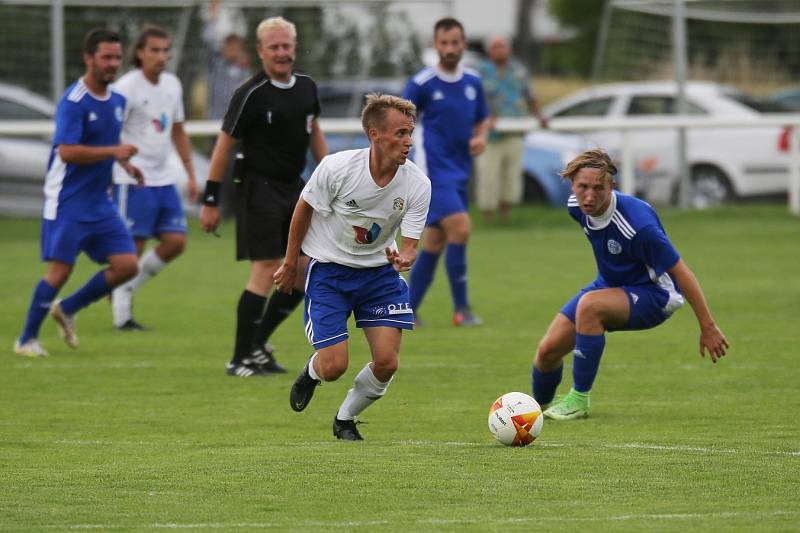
(449, 105)
(629, 244)
(81, 192)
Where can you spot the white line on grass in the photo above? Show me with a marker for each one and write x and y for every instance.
(115, 366)
(445, 521)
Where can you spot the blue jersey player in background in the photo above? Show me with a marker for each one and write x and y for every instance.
(453, 128)
(78, 213)
(641, 281)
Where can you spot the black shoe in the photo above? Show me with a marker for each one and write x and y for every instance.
(244, 369)
(302, 390)
(346, 430)
(263, 357)
(131, 325)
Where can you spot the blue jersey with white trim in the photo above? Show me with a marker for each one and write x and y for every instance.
(630, 247)
(449, 106)
(81, 192)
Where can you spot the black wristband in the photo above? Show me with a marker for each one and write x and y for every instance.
(211, 196)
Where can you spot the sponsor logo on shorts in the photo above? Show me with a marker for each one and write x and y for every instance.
(399, 309)
(614, 247)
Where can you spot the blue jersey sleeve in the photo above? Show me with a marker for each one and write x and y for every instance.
(69, 123)
(652, 246)
(414, 93)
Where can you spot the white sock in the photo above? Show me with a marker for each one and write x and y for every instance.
(311, 371)
(149, 265)
(366, 390)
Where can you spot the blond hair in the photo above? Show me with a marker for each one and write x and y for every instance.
(374, 112)
(275, 23)
(595, 158)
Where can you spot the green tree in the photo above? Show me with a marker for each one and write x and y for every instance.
(584, 16)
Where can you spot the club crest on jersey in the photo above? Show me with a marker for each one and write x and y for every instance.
(118, 113)
(614, 247)
(160, 123)
(367, 236)
(398, 204)
(470, 92)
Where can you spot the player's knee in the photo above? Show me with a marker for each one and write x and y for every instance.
(331, 369)
(548, 353)
(125, 269)
(385, 368)
(590, 307)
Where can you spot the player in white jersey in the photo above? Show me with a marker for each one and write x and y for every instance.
(347, 220)
(153, 122)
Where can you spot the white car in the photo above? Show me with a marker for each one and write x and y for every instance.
(725, 163)
(23, 160)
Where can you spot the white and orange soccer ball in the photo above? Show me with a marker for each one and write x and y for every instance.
(515, 419)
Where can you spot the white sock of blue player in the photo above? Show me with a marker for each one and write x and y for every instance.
(366, 389)
(586, 360)
(122, 297)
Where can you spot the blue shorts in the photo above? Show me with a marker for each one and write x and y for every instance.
(647, 304)
(447, 201)
(150, 211)
(377, 296)
(64, 239)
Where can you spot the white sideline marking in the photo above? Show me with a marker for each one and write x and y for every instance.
(50, 365)
(440, 521)
(488, 442)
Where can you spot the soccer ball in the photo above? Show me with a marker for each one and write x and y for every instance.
(515, 419)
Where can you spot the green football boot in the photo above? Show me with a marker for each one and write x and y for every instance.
(573, 405)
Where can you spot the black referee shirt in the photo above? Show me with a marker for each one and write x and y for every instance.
(273, 122)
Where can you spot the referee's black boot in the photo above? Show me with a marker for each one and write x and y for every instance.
(264, 357)
(302, 390)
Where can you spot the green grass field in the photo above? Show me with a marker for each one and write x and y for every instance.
(145, 431)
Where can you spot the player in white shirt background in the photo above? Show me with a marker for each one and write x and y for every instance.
(153, 122)
(347, 220)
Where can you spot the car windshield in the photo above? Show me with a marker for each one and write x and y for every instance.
(757, 104)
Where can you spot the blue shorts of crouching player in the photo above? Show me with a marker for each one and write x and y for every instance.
(150, 211)
(447, 201)
(648, 305)
(64, 238)
(377, 296)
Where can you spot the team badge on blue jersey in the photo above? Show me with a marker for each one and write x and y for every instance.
(614, 247)
(470, 92)
(118, 113)
(367, 236)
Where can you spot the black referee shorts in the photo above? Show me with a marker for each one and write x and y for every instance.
(264, 210)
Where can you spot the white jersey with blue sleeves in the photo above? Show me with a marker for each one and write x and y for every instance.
(630, 246)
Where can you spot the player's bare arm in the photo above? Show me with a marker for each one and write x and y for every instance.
(403, 259)
(209, 213)
(317, 142)
(81, 154)
(301, 219)
(480, 136)
(184, 149)
(711, 337)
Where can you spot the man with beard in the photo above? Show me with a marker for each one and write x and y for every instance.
(78, 214)
(454, 127)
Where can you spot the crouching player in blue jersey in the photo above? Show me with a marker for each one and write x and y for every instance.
(641, 281)
(78, 213)
(347, 219)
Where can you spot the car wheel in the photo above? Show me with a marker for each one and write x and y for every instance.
(710, 187)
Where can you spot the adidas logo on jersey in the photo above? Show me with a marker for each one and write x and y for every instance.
(351, 203)
(92, 116)
(438, 95)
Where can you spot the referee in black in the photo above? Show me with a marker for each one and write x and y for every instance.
(275, 117)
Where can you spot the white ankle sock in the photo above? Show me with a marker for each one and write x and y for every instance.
(311, 371)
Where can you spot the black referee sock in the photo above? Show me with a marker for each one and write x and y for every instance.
(249, 310)
(280, 306)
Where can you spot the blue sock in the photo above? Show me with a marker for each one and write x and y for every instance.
(92, 290)
(43, 296)
(421, 277)
(456, 263)
(586, 360)
(544, 384)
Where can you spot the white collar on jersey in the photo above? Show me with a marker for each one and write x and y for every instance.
(280, 85)
(95, 95)
(605, 219)
(450, 77)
